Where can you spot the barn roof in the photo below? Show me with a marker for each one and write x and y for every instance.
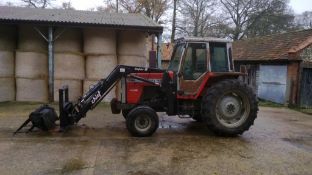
(77, 18)
(272, 47)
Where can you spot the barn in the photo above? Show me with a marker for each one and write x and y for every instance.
(42, 50)
(278, 66)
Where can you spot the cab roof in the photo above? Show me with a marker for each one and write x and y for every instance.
(202, 39)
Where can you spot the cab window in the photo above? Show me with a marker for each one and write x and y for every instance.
(175, 59)
(219, 60)
(195, 61)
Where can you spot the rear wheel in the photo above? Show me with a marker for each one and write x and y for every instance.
(142, 121)
(229, 107)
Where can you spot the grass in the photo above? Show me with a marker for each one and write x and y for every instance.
(270, 104)
(303, 110)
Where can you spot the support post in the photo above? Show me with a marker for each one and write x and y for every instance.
(159, 38)
(51, 64)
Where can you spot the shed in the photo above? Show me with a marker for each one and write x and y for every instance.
(278, 66)
(43, 49)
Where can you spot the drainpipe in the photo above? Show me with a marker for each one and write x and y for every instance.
(159, 38)
(51, 64)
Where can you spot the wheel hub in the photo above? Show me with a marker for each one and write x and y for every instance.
(230, 107)
(142, 123)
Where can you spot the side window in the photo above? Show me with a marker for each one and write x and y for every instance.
(195, 61)
(219, 61)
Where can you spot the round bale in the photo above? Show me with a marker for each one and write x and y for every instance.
(30, 40)
(31, 65)
(31, 90)
(69, 66)
(99, 41)
(98, 67)
(74, 86)
(70, 40)
(6, 64)
(7, 89)
(132, 43)
(132, 60)
(7, 37)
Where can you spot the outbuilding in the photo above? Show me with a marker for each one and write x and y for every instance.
(278, 66)
(42, 50)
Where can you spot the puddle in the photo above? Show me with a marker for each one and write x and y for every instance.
(302, 142)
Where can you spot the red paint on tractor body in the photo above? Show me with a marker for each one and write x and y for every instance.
(135, 87)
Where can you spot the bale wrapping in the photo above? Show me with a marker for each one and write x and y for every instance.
(99, 41)
(87, 84)
(69, 66)
(70, 40)
(31, 65)
(98, 67)
(74, 86)
(132, 60)
(30, 40)
(7, 37)
(31, 90)
(6, 64)
(132, 43)
(7, 89)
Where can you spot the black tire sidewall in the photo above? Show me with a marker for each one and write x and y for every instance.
(137, 111)
(210, 101)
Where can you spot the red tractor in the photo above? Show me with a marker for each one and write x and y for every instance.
(200, 82)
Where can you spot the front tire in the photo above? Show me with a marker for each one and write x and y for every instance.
(142, 121)
(229, 107)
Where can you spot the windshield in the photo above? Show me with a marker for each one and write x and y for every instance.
(175, 59)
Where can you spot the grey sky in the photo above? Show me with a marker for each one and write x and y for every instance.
(299, 6)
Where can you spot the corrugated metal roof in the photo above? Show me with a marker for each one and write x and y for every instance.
(76, 17)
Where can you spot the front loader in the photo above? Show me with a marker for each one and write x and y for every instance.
(200, 82)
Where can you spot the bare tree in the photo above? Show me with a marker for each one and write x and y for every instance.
(197, 17)
(38, 3)
(245, 14)
(174, 19)
(67, 6)
(304, 20)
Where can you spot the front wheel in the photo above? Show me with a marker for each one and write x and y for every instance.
(229, 107)
(142, 121)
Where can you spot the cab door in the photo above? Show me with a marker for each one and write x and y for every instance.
(193, 68)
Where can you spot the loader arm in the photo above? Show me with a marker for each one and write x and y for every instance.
(71, 113)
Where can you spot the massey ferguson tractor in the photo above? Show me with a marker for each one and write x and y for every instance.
(200, 82)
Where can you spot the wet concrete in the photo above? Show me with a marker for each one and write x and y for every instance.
(280, 142)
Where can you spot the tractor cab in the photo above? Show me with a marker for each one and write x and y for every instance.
(194, 58)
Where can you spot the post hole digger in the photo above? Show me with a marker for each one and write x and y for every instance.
(200, 82)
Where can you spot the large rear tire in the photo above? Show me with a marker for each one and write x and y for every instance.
(229, 107)
(142, 121)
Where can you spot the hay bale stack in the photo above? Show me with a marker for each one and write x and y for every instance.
(7, 37)
(69, 66)
(132, 60)
(132, 43)
(31, 89)
(98, 67)
(87, 84)
(32, 65)
(7, 89)
(70, 40)
(30, 40)
(99, 41)
(75, 88)
(6, 64)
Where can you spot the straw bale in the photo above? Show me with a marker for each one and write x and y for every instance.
(69, 66)
(99, 41)
(87, 84)
(70, 40)
(7, 37)
(6, 64)
(31, 89)
(7, 89)
(98, 67)
(132, 60)
(30, 40)
(132, 43)
(31, 65)
(74, 86)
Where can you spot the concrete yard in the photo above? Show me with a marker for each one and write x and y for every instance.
(280, 142)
